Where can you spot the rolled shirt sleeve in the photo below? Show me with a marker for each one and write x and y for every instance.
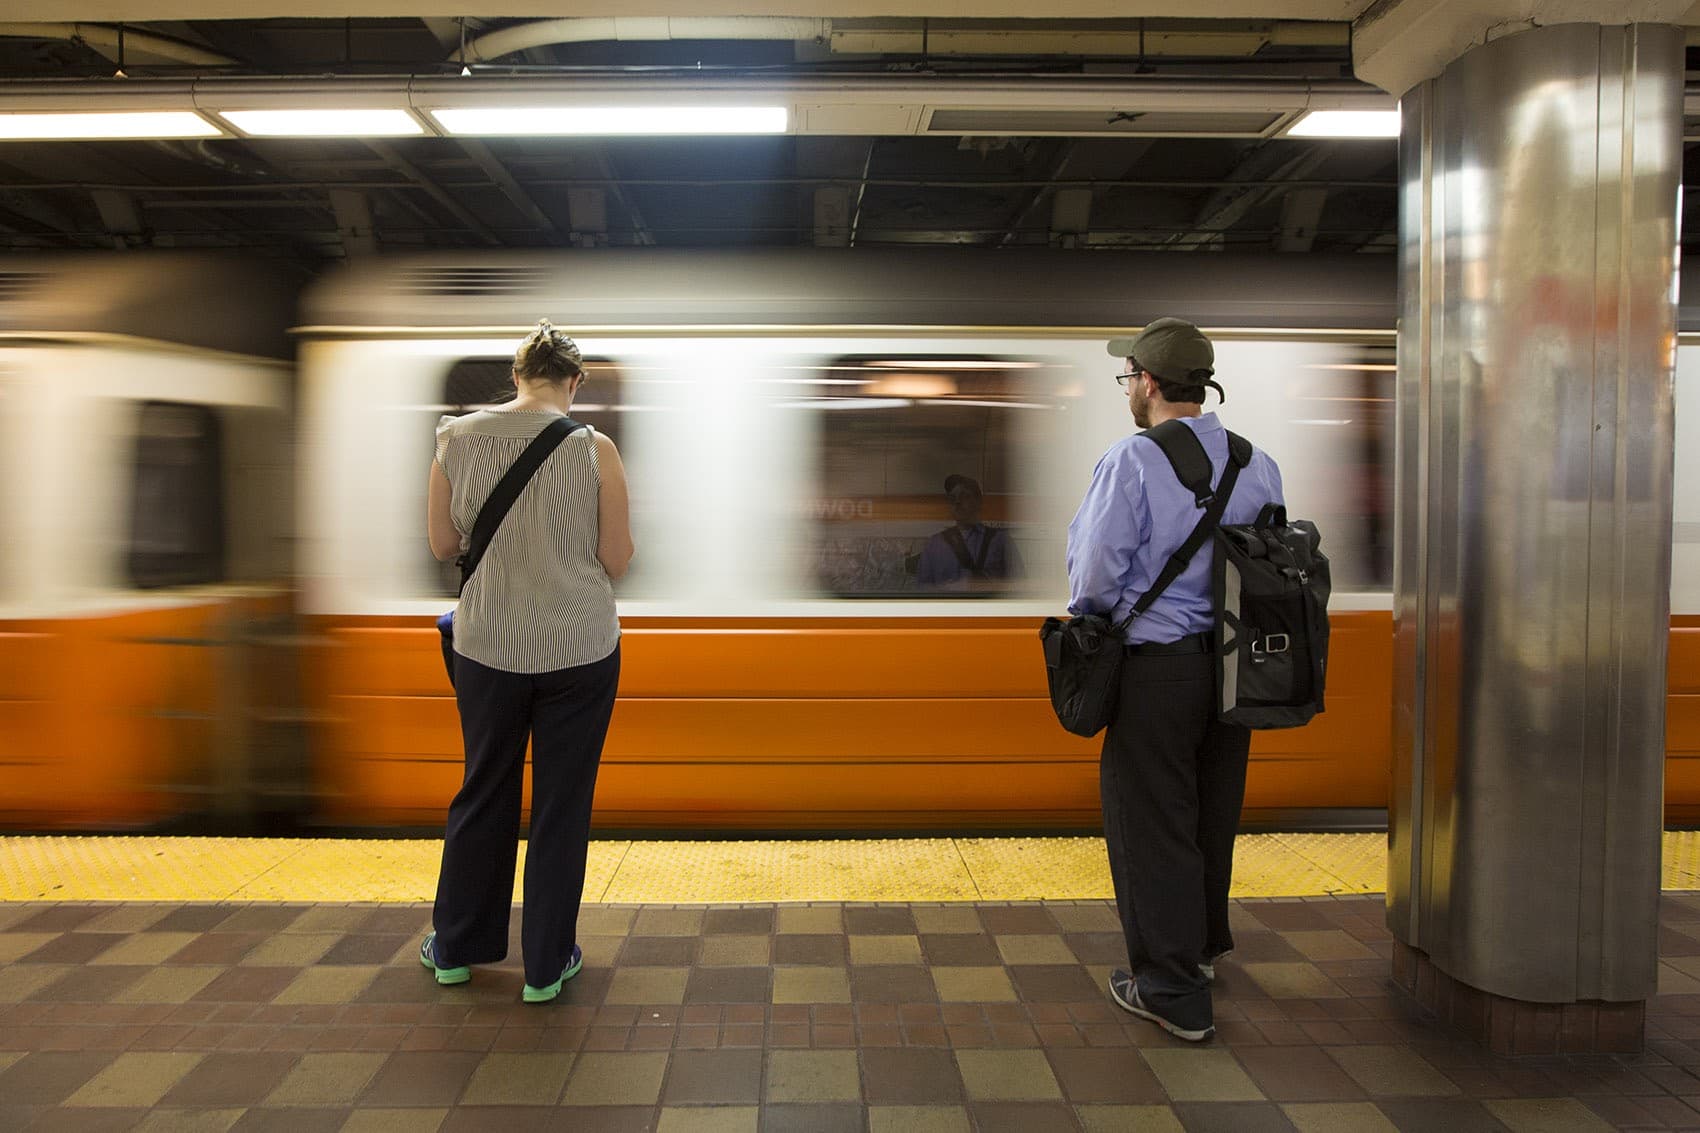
(445, 430)
(1107, 531)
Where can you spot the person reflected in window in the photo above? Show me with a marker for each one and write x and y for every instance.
(967, 555)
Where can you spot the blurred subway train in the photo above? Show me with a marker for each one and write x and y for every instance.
(216, 597)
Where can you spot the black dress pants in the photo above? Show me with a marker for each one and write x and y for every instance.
(1172, 780)
(565, 716)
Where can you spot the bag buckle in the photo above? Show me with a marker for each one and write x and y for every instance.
(1271, 643)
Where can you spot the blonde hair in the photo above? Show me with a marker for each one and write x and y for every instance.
(548, 355)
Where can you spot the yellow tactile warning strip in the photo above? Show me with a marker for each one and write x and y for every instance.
(1681, 859)
(242, 869)
(905, 869)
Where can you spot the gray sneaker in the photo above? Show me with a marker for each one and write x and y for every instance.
(1124, 989)
(1208, 968)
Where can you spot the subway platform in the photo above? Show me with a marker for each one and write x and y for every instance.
(923, 984)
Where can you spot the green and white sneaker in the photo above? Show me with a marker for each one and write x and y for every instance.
(545, 994)
(428, 957)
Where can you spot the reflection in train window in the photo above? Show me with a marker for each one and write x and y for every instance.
(917, 488)
(1352, 400)
(481, 383)
(177, 507)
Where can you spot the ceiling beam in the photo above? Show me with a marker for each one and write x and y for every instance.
(1396, 44)
(1092, 159)
(512, 189)
(354, 222)
(641, 234)
(32, 216)
(1301, 212)
(1265, 168)
(413, 173)
(826, 169)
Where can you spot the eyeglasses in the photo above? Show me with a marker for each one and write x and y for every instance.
(1121, 378)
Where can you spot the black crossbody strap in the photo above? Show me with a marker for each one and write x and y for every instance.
(959, 548)
(1214, 503)
(975, 566)
(508, 488)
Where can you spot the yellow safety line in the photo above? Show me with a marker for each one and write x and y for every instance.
(680, 872)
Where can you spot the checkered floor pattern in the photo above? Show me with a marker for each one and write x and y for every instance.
(739, 1019)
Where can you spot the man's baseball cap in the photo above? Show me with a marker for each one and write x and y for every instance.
(957, 480)
(1172, 349)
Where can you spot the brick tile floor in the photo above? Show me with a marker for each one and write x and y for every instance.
(761, 1019)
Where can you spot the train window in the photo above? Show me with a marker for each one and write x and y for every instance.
(177, 535)
(1352, 400)
(917, 491)
(479, 383)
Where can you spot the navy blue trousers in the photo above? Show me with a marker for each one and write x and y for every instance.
(1172, 780)
(565, 716)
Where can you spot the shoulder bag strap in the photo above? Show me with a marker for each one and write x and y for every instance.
(959, 548)
(1214, 504)
(508, 488)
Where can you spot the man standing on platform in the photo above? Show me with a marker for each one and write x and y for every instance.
(1172, 776)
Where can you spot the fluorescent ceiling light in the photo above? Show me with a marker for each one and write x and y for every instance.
(1346, 124)
(105, 126)
(371, 123)
(545, 120)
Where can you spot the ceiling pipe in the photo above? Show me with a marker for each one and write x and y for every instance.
(915, 36)
(544, 33)
(138, 46)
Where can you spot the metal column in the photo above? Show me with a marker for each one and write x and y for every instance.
(1532, 583)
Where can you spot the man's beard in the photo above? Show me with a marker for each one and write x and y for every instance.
(1141, 410)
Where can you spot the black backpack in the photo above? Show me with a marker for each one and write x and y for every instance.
(1270, 586)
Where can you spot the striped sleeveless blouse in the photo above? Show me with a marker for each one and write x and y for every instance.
(539, 600)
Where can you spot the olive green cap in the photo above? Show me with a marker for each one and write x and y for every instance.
(1172, 349)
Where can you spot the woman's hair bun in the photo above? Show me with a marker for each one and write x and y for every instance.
(548, 354)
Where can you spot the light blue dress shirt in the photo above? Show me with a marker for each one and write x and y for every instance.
(1136, 514)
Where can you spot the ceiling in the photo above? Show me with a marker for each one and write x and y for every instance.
(314, 201)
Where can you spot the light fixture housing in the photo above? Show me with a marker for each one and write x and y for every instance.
(104, 125)
(325, 122)
(659, 106)
(1346, 124)
(629, 121)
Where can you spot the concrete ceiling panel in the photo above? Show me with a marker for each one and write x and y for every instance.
(1397, 44)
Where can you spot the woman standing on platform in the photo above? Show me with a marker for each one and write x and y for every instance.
(536, 655)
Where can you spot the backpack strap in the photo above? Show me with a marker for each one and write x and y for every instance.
(1213, 501)
(507, 490)
(1189, 460)
(1186, 456)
